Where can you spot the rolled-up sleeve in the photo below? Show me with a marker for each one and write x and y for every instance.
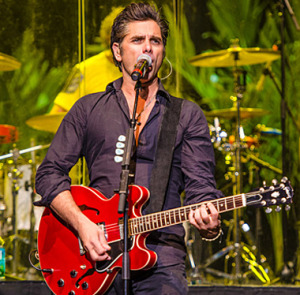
(197, 157)
(52, 176)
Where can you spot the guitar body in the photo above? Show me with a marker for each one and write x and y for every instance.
(59, 247)
(68, 270)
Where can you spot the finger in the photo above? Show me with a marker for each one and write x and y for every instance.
(103, 241)
(98, 257)
(202, 215)
(192, 218)
(213, 211)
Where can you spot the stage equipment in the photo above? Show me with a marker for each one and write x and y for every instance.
(231, 113)
(18, 181)
(8, 63)
(235, 56)
(47, 122)
(8, 134)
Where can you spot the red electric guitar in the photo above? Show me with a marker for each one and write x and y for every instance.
(68, 270)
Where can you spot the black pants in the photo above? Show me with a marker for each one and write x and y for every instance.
(156, 281)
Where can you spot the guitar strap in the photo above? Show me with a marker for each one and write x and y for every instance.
(164, 155)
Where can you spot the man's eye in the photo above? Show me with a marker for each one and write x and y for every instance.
(155, 41)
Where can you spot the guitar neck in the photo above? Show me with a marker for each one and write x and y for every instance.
(179, 215)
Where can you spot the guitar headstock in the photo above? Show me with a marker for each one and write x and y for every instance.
(274, 195)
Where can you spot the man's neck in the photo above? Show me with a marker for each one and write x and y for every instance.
(147, 91)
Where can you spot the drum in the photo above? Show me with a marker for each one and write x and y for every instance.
(8, 134)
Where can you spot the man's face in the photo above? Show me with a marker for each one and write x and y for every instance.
(143, 37)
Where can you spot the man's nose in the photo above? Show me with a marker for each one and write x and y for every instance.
(147, 46)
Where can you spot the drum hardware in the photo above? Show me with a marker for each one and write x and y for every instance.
(8, 63)
(47, 122)
(253, 266)
(235, 56)
(263, 130)
(231, 113)
(8, 134)
(16, 175)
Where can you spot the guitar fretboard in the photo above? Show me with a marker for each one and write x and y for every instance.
(167, 218)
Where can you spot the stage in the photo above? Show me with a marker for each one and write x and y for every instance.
(40, 288)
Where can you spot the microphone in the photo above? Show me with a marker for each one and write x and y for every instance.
(143, 63)
(265, 72)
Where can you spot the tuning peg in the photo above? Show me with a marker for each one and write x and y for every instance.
(287, 208)
(284, 179)
(283, 200)
(275, 182)
(278, 209)
(268, 210)
(264, 183)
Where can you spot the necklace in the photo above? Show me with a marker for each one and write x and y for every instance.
(145, 106)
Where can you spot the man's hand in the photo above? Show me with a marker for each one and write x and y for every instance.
(94, 241)
(206, 220)
(91, 236)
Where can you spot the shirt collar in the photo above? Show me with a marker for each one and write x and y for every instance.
(117, 84)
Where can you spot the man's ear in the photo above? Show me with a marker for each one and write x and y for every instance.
(117, 51)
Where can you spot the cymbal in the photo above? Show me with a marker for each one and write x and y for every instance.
(8, 134)
(8, 63)
(234, 56)
(231, 113)
(47, 122)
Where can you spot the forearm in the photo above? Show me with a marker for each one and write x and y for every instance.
(65, 207)
(91, 235)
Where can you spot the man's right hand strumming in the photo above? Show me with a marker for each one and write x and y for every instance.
(92, 237)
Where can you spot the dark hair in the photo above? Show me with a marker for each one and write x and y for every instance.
(136, 12)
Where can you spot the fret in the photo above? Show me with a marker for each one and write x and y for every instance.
(218, 206)
(141, 225)
(222, 205)
(177, 216)
(239, 201)
(172, 216)
(154, 221)
(133, 222)
(229, 203)
(167, 216)
(186, 213)
(148, 225)
(159, 221)
(164, 219)
(130, 227)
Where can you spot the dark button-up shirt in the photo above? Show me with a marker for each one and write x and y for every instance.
(91, 129)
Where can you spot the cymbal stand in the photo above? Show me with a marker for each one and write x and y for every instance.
(16, 175)
(31, 185)
(239, 89)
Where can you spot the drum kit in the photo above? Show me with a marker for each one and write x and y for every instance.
(234, 147)
(17, 177)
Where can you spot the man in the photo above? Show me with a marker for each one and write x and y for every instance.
(92, 128)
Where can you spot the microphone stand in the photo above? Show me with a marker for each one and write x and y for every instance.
(123, 191)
